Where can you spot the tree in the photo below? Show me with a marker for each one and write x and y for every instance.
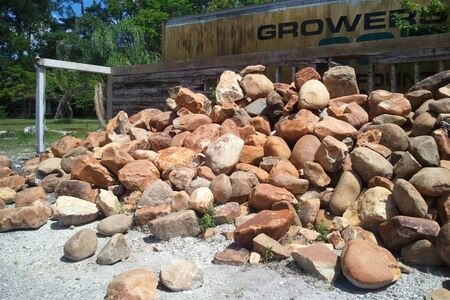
(429, 18)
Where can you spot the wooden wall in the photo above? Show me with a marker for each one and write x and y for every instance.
(236, 31)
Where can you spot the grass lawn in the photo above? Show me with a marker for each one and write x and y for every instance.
(16, 142)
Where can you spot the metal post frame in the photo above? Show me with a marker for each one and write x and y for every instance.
(41, 64)
(40, 108)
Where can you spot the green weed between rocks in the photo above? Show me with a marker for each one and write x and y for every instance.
(269, 256)
(322, 229)
(207, 221)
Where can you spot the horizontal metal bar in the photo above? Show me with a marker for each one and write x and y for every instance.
(61, 64)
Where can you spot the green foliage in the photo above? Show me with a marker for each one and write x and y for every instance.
(432, 10)
(298, 207)
(207, 221)
(214, 5)
(269, 256)
(322, 229)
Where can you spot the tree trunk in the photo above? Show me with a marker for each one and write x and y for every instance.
(99, 103)
(64, 110)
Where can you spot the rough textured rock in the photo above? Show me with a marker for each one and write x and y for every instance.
(304, 75)
(319, 261)
(313, 95)
(265, 195)
(443, 243)
(108, 203)
(334, 127)
(28, 217)
(290, 183)
(315, 174)
(233, 257)
(432, 182)
(138, 175)
(263, 243)
(171, 156)
(401, 230)
(368, 163)
(81, 245)
(156, 192)
(29, 196)
(14, 182)
(368, 266)
(183, 223)
(137, 284)
(276, 146)
(181, 275)
(221, 188)
(341, 81)
(115, 158)
(194, 102)
(242, 184)
(373, 207)
(226, 213)
(355, 232)
(228, 88)
(201, 200)
(89, 169)
(114, 224)
(305, 149)
(422, 253)
(181, 177)
(408, 199)
(75, 211)
(76, 188)
(143, 216)
(272, 223)
(115, 250)
(256, 86)
(425, 150)
(393, 136)
(406, 166)
(7, 195)
(223, 154)
(346, 192)
(49, 166)
(65, 144)
(331, 153)
(294, 126)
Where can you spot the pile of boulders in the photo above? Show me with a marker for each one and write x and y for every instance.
(340, 181)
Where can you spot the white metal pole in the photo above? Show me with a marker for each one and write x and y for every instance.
(40, 108)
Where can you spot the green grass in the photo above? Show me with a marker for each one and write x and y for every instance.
(16, 141)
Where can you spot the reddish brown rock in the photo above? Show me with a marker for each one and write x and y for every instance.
(265, 195)
(191, 122)
(90, 170)
(272, 223)
(368, 266)
(232, 257)
(78, 189)
(258, 172)
(162, 120)
(360, 99)
(256, 86)
(261, 124)
(331, 153)
(401, 230)
(226, 213)
(443, 142)
(142, 118)
(138, 174)
(29, 196)
(95, 139)
(319, 261)
(201, 137)
(14, 182)
(293, 127)
(351, 113)
(137, 284)
(316, 174)
(276, 146)
(171, 156)
(283, 167)
(381, 181)
(114, 159)
(334, 127)
(304, 150)
(5, 162)
(65, 144)
(304, 75)
(5, 172)
(251, 155)
(159, 141)
(28, 217)
(144, 215)
(205, 172)
(195, 102)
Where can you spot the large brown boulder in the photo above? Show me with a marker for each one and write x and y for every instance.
(341, 81)
(256, 86)
(65, 144)
(195, 102)
(293, 127)
(115, 158)
(401, 230)
(367, 265)
(28, 196)
(76, 188)
(28, 217)
(334, 127)
(265, 195)
(15, 182)
(443, 243)
(432, 182)
(272, 223)
(368, 164)
(138, 175)
(305, 149)
(137, 284)
(89, 169)
(169, 157)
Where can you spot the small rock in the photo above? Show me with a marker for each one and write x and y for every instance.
(137, 284)
(75, 211)
(443, 243)
(77, 189)
(156, 192)
(181, 275)
(263, 243)
(138, 175)
(115, 250)
(265, 195)
(221, 188)
(226, 213)
(346, 192)
(201, 200)
(81, 245)
(316, 174)
(319, 261)
(255, 258)
(232, 257)
(7, 195)
(89, 169)
(421, 252)
(108, 202)
(114, 224)
(408, 199)
(425, 150)
(183, 223)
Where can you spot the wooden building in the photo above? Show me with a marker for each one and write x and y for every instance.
(285, 36)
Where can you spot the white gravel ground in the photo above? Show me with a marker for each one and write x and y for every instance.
(32, 267)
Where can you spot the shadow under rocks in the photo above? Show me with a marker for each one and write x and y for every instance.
(150, 239)
(57, 226)
(163, 288)
(436, 271)
(446, 284)
(66, 260)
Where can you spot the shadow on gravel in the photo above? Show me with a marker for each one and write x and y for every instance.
(436, 271)
(150, 239)
(446, 284)
(66, 260)
(57, 226)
